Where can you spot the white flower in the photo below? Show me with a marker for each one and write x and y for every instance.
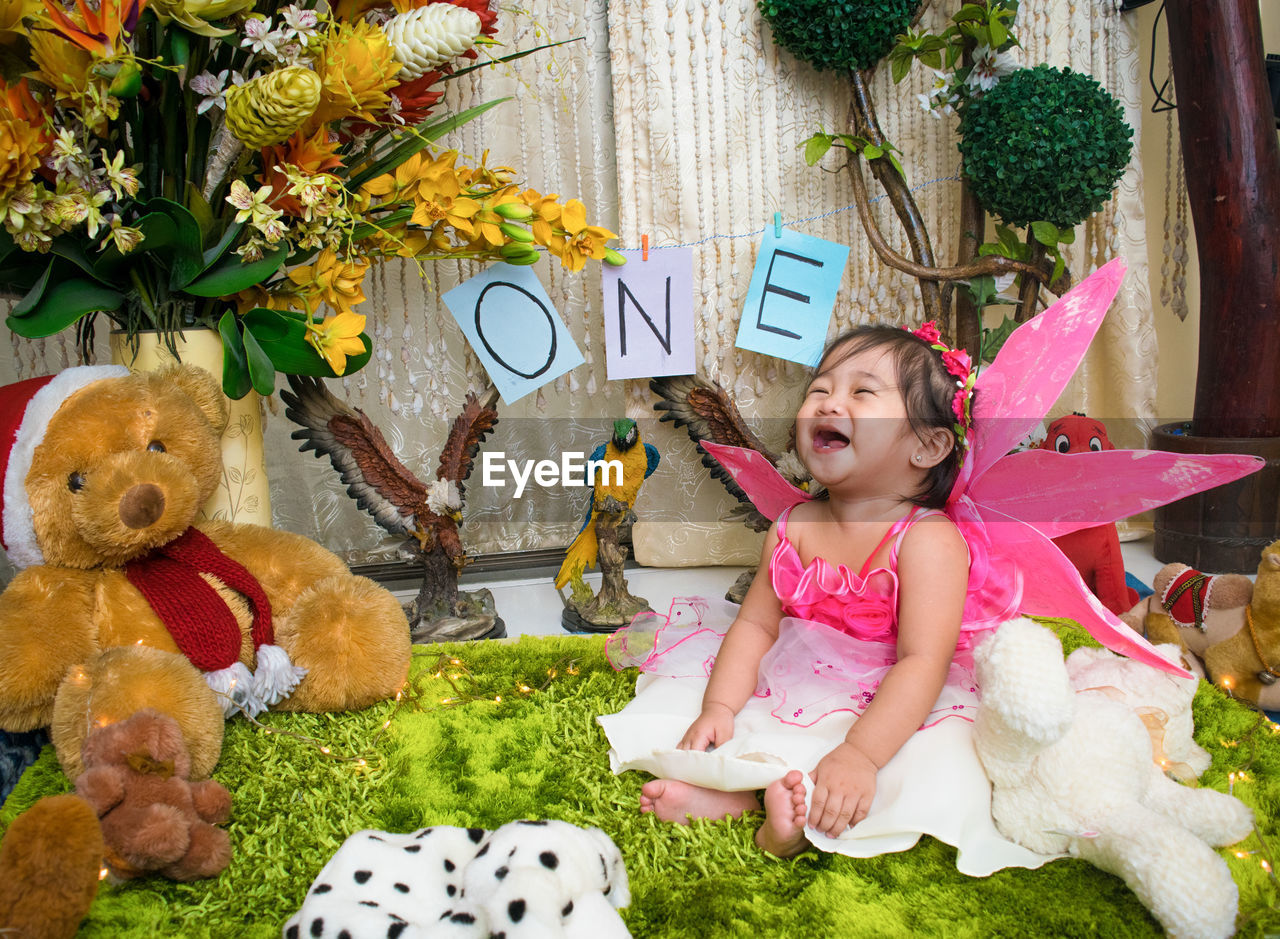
(443, 497)
(989, 67)
(940, 99)
(299, 23)
(259, 37)
(213, 88)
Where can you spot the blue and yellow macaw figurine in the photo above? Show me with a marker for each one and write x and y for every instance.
(611, 499)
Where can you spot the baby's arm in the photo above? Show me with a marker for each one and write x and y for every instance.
(733, 677)
(933, 575)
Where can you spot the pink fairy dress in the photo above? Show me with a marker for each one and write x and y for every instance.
(836, 641)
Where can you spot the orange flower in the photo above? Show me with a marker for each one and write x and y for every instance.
(102, 30)
(357, 68)
(19, 154)
(23, 105)
(309, 155)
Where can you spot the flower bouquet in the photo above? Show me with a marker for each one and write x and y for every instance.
(240, 165)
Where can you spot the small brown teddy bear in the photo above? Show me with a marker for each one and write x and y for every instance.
(122, 601)
(153, 817)
(1230, 626)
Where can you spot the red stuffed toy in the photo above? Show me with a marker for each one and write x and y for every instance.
(1095, 552)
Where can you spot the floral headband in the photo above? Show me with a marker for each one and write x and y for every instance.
(959, 366)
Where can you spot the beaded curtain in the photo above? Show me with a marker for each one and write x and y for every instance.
(681, 120)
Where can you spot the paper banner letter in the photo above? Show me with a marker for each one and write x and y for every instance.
(648, 318)
(791, 296)
(514, 329)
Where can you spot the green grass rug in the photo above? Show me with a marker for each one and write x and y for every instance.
(538, 753)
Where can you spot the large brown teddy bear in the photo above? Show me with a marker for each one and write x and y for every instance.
(1230, 625)
(118, 594)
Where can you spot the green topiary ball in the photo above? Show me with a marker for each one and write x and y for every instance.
(1044, 144)
(838, 34)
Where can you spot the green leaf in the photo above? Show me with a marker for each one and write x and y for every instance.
(969, 12)
(418, 139)
(932, 58)
(1066, 236)
(1059, 265)
(509, 58)
(236, 382)
(897, 166)
(262, 372)
(179, 46)
(182, 253)
(872, 152)
(999, 32)
(62, 305)
(34, 295)
(283, 338)
(233, 275)
(993, 339)
(212, 254)
(200, 210)
(816, 147)
(1046, 233)
(983, 290)
(72, 250)
(899, 67)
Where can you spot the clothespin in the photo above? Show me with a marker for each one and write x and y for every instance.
(777, 224)
(644, 247)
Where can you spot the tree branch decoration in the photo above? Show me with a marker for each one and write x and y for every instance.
(1042, 150)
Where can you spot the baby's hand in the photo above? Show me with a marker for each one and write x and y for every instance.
(844, 783)
(713, 727)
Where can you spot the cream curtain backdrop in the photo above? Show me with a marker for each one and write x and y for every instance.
(681, 120)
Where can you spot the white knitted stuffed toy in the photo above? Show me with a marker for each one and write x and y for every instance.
(1073, 772)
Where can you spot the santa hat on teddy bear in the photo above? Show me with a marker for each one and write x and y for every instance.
(26, 407)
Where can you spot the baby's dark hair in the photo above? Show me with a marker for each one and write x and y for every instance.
(927, 389)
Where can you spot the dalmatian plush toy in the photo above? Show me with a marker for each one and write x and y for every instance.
(526, 880)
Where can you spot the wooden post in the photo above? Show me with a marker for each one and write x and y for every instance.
(1233, 183)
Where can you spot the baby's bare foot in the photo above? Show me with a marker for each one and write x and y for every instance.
(783, 830)
(675, 801)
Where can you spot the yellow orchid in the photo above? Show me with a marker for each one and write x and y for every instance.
(438, 197)
(336, 338)
(587, 242)
(332, 280)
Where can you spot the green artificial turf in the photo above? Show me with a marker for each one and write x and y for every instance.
(540, 754)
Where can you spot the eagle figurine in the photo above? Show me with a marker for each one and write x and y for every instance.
(427, 514)
(706, 412)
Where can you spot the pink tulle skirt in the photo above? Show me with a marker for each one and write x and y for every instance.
(811, 671)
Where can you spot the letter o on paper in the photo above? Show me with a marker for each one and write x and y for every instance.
(547, 314)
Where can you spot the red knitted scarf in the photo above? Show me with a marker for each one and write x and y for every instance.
(197, 618)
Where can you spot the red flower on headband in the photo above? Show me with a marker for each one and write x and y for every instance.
(929, 332)
(957, 362)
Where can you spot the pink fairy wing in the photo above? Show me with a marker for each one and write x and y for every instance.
(1015, 391)
(769, 492)
(1051, 586)
(1057, 493)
